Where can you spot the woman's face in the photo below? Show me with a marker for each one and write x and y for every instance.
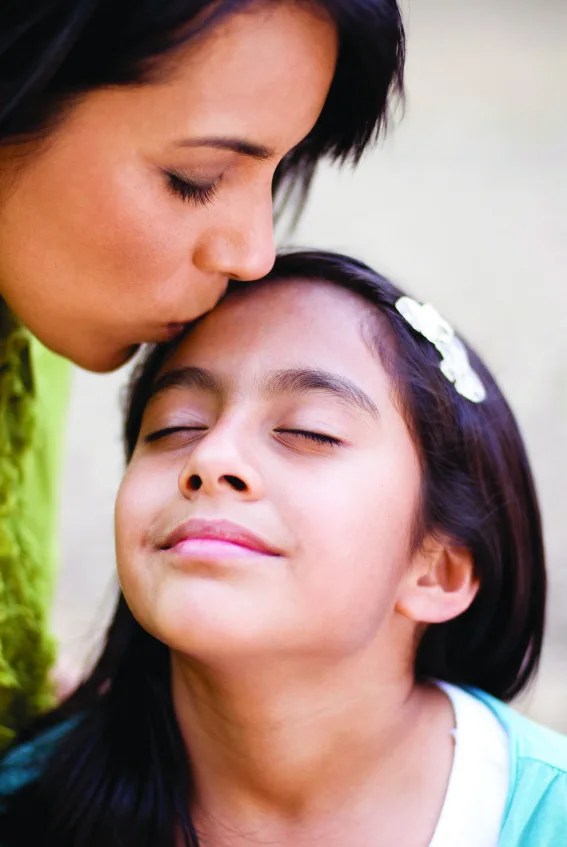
(268, 506)
(128, 221)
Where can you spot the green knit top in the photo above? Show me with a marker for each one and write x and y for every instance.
(33, 394)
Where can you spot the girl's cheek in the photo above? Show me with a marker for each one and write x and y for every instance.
(134, 500)
(148, 487)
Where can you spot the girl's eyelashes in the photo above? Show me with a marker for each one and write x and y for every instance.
(157, 434)
(315, 437)
(189, 191)
(318, 438)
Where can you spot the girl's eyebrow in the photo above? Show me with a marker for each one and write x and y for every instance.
(306, 380)
(289, 381)
(186, 377)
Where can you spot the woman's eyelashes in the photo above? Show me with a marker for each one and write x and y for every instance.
(191, 191)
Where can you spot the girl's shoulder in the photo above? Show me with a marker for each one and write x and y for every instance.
(532, 741)
(536, 809)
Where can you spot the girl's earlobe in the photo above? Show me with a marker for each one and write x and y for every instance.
(440, 584)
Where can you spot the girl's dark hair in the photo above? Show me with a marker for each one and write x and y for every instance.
(121, 777)
(53, 51)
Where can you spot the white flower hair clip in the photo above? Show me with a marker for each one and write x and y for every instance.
(455, 364)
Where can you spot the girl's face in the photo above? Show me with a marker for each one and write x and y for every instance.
(128, 221)
(268, 505)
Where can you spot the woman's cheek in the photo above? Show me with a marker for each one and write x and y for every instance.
(145, 233)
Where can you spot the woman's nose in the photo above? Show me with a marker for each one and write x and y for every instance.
(242, 246)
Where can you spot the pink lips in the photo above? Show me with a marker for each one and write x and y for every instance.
(215, 538)
(172, 330)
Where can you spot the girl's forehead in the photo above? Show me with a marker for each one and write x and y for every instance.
(279, 325)
(285, 319)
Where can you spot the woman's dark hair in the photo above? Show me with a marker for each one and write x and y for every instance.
(53, 51)
(122, 776)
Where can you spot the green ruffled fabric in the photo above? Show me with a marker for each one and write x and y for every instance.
(33, 394)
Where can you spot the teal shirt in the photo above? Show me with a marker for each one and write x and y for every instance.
(536, 808)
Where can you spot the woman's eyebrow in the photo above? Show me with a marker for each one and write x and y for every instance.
(235, 145)
(307, 380)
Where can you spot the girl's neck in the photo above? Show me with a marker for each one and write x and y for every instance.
(313, 755)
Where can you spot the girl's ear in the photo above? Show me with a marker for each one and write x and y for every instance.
(440, 583)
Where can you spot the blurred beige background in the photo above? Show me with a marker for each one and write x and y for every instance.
(465, 204)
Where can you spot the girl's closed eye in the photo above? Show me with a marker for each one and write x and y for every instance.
(318, 438)
(199, 193)
(188, 432)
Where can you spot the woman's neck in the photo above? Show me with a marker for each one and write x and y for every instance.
(313, 754)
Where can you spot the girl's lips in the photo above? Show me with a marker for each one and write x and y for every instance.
(212, 549)
(214, 538)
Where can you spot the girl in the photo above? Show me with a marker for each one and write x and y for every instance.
(332, 575)
(139, 145)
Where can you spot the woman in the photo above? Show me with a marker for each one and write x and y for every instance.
(140, 144)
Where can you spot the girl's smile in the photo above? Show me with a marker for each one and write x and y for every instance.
(219, 531)
(214, 540)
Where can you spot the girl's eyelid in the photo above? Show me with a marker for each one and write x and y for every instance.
(155, 433)
(312, 435)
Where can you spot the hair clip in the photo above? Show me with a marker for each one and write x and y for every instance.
(455, 364)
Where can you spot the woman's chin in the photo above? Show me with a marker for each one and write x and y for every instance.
(99, 361)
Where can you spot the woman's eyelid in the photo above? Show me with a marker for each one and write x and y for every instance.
(200, 177)
(201, 170)
(192, 191)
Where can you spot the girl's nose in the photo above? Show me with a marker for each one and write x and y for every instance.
(195, 482)
(216, 467)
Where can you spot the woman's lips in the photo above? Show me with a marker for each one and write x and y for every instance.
(215, 539)
(172, 330)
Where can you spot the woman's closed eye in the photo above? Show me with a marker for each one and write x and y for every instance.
(200, 193)
(319, 438)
